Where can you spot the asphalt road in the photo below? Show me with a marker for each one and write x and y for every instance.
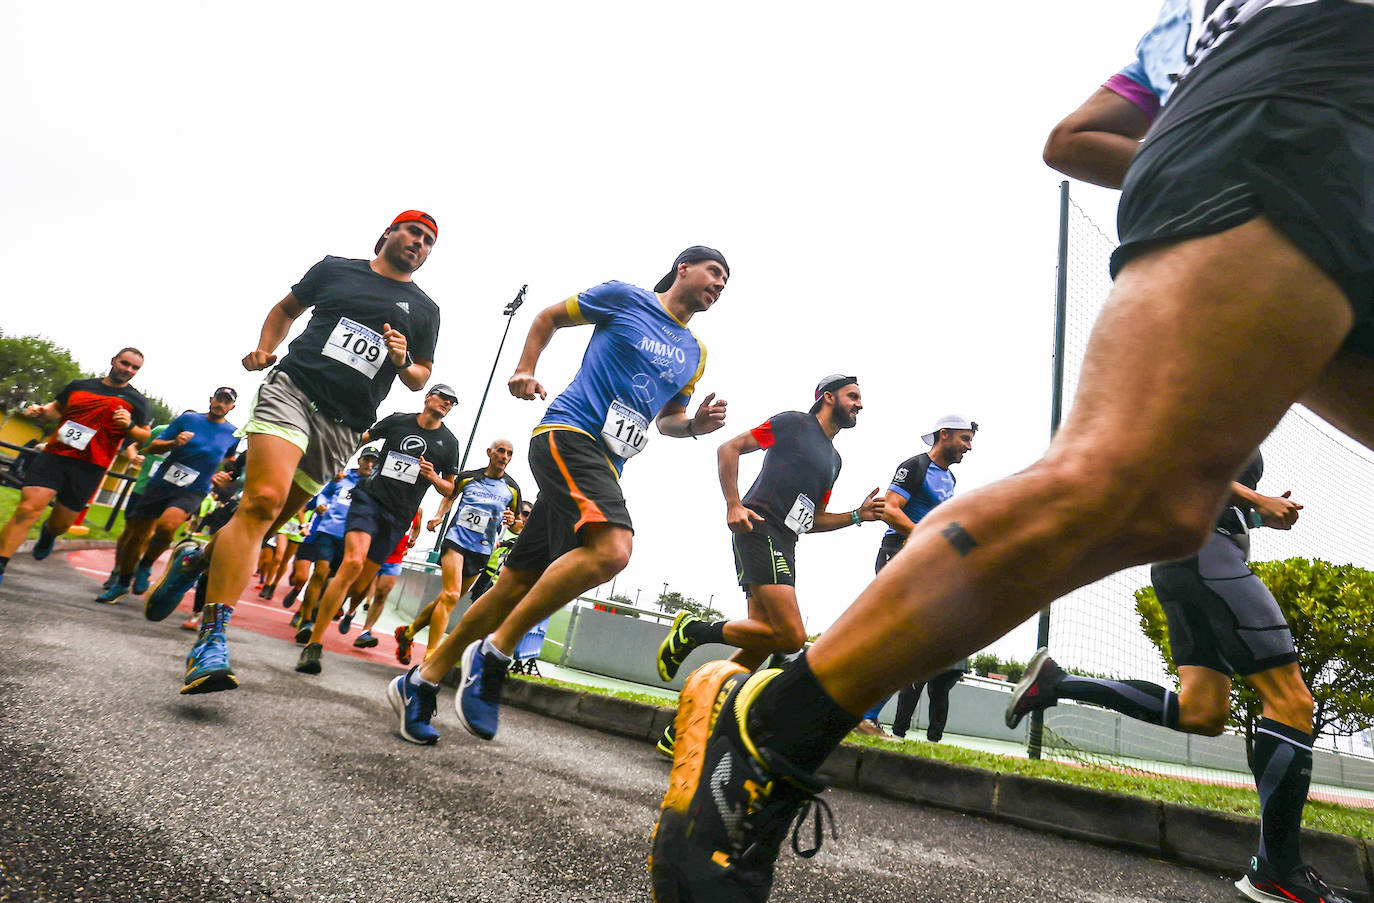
(114, 787)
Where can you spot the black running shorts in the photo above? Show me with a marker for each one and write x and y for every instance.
(156, 499)
(76, 481)
(1220, 615)
(577, 486)
(766, 556)
(366, 516)
(473, 562)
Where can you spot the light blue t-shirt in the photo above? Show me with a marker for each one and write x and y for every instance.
(640, 357)
(200, 456)
(1159, 58)
(480, 503)
(336, 515)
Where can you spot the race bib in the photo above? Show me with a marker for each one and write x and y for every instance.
(179, 476)
(474, 519)
(802, 517)
(357, 346)
(75, 435)
(626, 431)
(401, 467)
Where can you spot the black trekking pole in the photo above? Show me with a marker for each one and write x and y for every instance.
(509, 313)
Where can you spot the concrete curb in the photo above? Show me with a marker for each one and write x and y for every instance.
(68, 545)
(1197, 837)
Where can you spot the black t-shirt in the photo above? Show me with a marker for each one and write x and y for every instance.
(1235, 517)
(800, 465)
(396, 484)
(340, 361)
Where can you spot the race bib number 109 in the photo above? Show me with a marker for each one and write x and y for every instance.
(356, 345)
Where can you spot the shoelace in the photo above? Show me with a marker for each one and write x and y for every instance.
(821, 809)
(493, 676)
(428, 702)
(778, 814)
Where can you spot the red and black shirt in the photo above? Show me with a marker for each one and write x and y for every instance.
(88, 431)
(800, 465)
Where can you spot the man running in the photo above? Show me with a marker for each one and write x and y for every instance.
(1243, 284)
(145, 471)
(417, 451)
(486, 501)
(322, 552)
(920, 483)
(371, 325)
(194, 444)
(497, 560)
(96, 416)
(378, 588)
(787, 499)
(641, 364)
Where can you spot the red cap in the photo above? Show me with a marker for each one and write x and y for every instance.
(409, 216)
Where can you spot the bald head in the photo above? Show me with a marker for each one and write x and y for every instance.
(499, 455)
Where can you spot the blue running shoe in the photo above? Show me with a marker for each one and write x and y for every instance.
(479, 692)
(207, 666)
(110, 580)
(143, 575)
(415, 707)
(188, 560)
(42, 547)
(113, 594)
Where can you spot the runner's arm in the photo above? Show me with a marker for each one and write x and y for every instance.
(444, 507)
(894, 516)
(1279, 512)
(1097, 141)
(672, 419)
(50, 411)
(522, 383)
(274, 330)
(870, 509)
(737, 517)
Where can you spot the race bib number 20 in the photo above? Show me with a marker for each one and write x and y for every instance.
(474, 519)
(356, 345)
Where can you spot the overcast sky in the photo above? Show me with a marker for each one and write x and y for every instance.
(871, 171)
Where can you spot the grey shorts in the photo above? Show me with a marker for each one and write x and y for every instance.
(1221, 616)
(282, 409)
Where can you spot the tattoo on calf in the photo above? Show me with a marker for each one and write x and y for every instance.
(959, 538)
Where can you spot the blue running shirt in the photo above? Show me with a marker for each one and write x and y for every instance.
(336, 515)
(640, 357)
(1149, 79)
(479, 502)
(191, 466)
(923, 484)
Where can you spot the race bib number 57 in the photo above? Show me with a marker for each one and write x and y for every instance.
(401, 467)
(356, 345)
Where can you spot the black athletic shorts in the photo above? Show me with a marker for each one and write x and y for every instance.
(765, 556)
(156, 499)
(322, 547)
(76, 481)
(1220, 615)
(886, 553)
(1295, 145)
(577, 486)
(473, 562)
(366, 516)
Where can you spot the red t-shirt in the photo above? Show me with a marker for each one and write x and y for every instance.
(88, 431)
(401, 547)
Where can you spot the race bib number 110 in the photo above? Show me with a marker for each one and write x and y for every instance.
(626, 431)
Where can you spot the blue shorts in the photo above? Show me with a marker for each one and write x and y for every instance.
(366, 516)
(322, 547)
(390, 569)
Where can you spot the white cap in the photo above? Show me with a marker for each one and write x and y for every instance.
(949, 422)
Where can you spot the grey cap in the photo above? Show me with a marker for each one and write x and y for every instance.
(443, 389)
(829, 384)
(369, 452)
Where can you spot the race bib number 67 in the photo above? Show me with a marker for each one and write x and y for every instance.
(356, 345)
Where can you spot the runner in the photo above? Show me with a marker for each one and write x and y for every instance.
(324, 548)
(145, 470)
(417, 451)
(502, 550)
(289, 539)
(194, 444)
(487, 501)
(641, 364)
(1237, 212)
(388, 572)
(371, 325)
(97, 417)
(787, 499)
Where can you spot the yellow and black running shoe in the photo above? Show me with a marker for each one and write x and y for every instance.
(676, 646)
(667, 741)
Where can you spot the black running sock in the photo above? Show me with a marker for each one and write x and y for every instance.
(147, 561)
(1137, 699)
(794, 716)
(1282, 764)
(4, 560)
(701, 632)
(46, 532)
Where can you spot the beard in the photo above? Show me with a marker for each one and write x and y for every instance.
(395, 255)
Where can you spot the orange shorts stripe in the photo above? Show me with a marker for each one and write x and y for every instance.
(590, 513)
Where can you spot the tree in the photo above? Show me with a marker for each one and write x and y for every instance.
(1329, 609)
(33, 370)
(676, 601)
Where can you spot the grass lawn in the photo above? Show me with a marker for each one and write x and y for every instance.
(1238, 800)
(95, 518)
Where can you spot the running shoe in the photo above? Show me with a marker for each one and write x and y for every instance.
(303, 632)
(113, 594)
(264, 592)
(415, 707)
(869, 727)
(290, 598)
(110, 580)
(1302, 885)
(42, 546)
(207, 665)
(188, 561)
(143, 575)
(729, 803)
(676, 646)
(365, 640)
(478, 700)
(1036, 688)
(666, 743)
(191, 623)
(346, 622)
(403, 644)
(309, 662)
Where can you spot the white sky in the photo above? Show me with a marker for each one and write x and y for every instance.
(871, 171)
